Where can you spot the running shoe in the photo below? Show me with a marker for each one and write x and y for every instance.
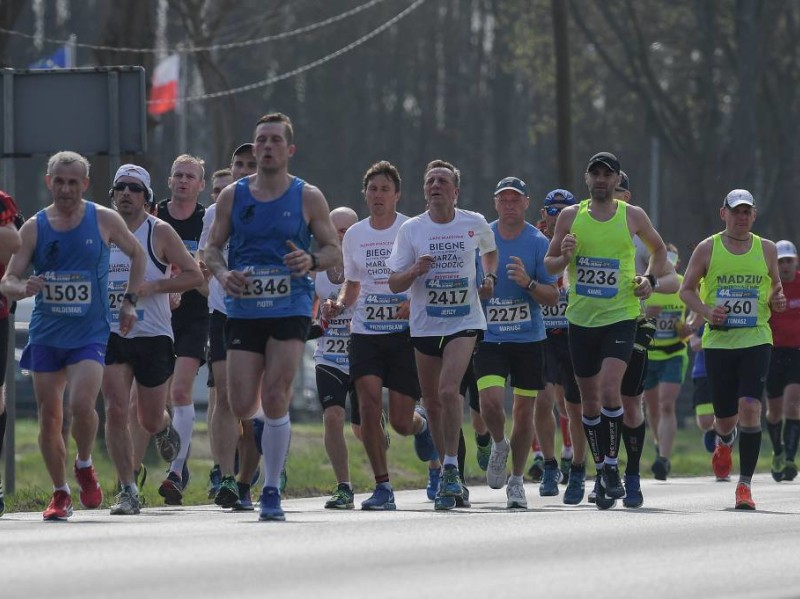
(271, 505)
(2, 499)
(515, 495)
(463, 499)
(576, 487)
(496, 472)
(228, 493)
(141, 476)
(602, 501)
(566, 464)
(721, 461)
(91, 495)
(443, 503)
(790, 472)
(633, 491)
(778, 469)
(245, 502)
(549, 484)
(483, 452)
(450, 484)
(612, 485)
(710, 440)
(434, 478)
(661, 468)
(186, 476)
(59, 508)
(744, 500)
(214, 480)
(536, 471)
(385, 428)
(593, 493)
(168, 443)
(382, 499)
(172, 489)
(423, 442)
(342, 498)
(126, 503)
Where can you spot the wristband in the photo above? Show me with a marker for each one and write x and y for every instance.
(531, 285)
(314, 261)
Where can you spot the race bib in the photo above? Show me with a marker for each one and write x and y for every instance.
(116, 291)
(67, 293)
(380, 313)
(554, 317)
(667, 325)
(741, 306)
(447, 298)
(597, 277)
(336, 342)
(191, 245)
(267, 287)
(506, 315)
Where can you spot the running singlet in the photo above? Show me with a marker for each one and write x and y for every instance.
(71, 311)
(742, 284)
(555, 317)
(8, 211)
(365, 250)
(445, 300)
(512, 315)
(257, 245)
(602, 271)
(786, 325)
(333, 348)
(668, 321)
(154, 318)
(216, 295)
(193, 303)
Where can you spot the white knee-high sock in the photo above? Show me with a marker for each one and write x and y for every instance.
(183, 421)
(275, 447)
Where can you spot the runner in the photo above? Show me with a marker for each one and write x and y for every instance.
(701, 394)
(269, 218)
(741, 284)
(434, 257)
(67, 244)
(145, 354)
(783, 381)
(513, 347)
(381, 354)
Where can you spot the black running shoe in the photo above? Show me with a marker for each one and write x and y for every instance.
(602, 500)
(611, 483)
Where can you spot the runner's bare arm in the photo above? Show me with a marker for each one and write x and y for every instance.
(318, 216)
(13, 286)
(695, 271)
(777, 300)
(562, 246)
(172, 251)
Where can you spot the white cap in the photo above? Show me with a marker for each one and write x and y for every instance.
(737, 197)
(786, 249)
(137, 172)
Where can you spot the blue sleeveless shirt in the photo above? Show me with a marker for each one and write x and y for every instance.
(259, 232)
(71, 311)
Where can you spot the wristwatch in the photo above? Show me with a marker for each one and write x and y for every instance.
(132, 298)
(492, 276)
(314, 261)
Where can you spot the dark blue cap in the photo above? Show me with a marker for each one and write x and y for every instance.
(559, 196)
(512, 183)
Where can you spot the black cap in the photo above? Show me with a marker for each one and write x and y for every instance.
(624, 183)
(606, 158)
(241, 149)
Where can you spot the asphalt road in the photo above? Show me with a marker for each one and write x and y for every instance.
(686, 541)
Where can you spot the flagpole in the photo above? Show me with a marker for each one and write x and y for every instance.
(70, 48)
(182, 109)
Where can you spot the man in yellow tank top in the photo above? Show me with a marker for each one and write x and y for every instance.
(741, 285)
(595, 240)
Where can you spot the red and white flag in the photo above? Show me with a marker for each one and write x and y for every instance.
(164, 92)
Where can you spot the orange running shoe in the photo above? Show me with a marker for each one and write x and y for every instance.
(744, 500)
(91, 495)
(721, 461)
(60, 507)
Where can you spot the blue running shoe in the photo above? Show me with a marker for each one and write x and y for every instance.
(245, 501)
(633, 491)
(549, 484)
(214, 480)
(423, 442)
(382, 499)
(434, 478)
(576, 487)
(483, 452)
(710, 440)
(271, 505)
(451, 482)
(444, 502)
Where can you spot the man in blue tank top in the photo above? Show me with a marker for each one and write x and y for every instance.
(68, 245)
(269, 218)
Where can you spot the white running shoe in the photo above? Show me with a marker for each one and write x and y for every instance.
(496, 472)
(516, 496)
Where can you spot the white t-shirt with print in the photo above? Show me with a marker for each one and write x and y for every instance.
(216, 295)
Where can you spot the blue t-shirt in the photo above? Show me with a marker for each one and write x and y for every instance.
(512, 315)
(71, 311)
(259, 232)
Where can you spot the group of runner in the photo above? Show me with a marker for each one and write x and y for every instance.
(584, 305)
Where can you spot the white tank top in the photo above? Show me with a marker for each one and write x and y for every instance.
(333, 348)
(154, 315)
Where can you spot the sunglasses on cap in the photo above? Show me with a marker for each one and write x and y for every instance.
(553, 210)
(134, 187)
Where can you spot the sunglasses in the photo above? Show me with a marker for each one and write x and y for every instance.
(134, 187)
(553, 210)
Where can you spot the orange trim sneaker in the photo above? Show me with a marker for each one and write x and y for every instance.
(60, 507)
(744, 500)
(91, 495)
(722, 461)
